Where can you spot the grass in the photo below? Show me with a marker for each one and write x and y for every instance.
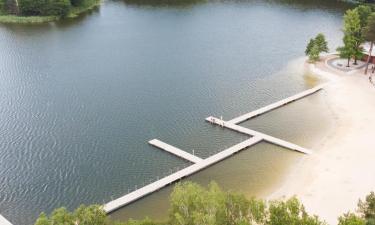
(74, 12)
(26, 19)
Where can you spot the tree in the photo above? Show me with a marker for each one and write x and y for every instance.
(192, 204)
(369, 34)
(314, 53)
(351, 219)
(367, 208)
(290, 212)
(44, 7)
(347, 51)
(353, 29)
(42, 220)
(315, 47)
(309, 46)
(364, 11)
(321, 42)
(84, 215)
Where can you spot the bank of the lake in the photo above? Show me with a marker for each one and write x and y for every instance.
(80, 98)
(73, 13)
(330, 181)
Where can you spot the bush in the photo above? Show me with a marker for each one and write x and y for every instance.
(44, 7)
(315, 47)
(351, 219)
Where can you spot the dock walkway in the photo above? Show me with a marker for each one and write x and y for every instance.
(200, 164)
(275, 105)
(150, 188)
(178, 152)
(265, 137)
(4, 221)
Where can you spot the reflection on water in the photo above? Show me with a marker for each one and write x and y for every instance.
(79, 99)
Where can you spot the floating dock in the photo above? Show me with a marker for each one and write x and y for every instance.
(275, 105)
(265, 137)
(4, 221)
(175, 151)
(157, 185)
(200, 164)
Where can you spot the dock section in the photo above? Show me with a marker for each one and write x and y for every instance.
(200, 164)
(175, 151)
(4, 221)
(275, 105)
(254, 133)
(204, 163)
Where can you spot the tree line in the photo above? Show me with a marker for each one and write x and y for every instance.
(192, 204)
(59, 8)
(359, 27)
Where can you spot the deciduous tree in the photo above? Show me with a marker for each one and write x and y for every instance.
(369, 34)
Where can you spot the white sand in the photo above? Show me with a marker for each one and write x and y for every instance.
(342, 169)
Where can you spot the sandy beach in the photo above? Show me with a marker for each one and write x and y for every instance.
(341, 170)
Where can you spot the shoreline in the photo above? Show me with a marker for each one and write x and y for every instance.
(74, 12)
(332, 180)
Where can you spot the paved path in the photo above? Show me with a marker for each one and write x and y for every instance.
(150, 188)
(275, 105)
(178, 152)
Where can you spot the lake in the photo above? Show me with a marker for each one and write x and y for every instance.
(80, 98)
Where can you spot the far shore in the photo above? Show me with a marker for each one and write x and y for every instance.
(340, 171)
(75, 12)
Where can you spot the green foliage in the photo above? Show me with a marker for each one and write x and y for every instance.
(353, 31)
(348, 50)
(369, 30)
(290, 212)
(90, 215)
(2, 6)
(57, 8)
(351, 219)
(26, 19)
(309, 46)
(314, 54)
(364, 11)
(355, 21)
(321, 43)
(44, 7)
(146, 221)
(367, 208)
(316, 46)
(192, 204)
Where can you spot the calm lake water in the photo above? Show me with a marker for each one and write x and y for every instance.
(79, 99)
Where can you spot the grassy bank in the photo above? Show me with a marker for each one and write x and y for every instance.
(74, 12)
(27, 19)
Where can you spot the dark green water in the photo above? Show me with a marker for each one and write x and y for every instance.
(79, 99)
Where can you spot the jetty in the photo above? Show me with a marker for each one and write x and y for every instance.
(4, 221)
(276, 105)
(265, 137)
(157, 185)
(200, 164)
(178, 152)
